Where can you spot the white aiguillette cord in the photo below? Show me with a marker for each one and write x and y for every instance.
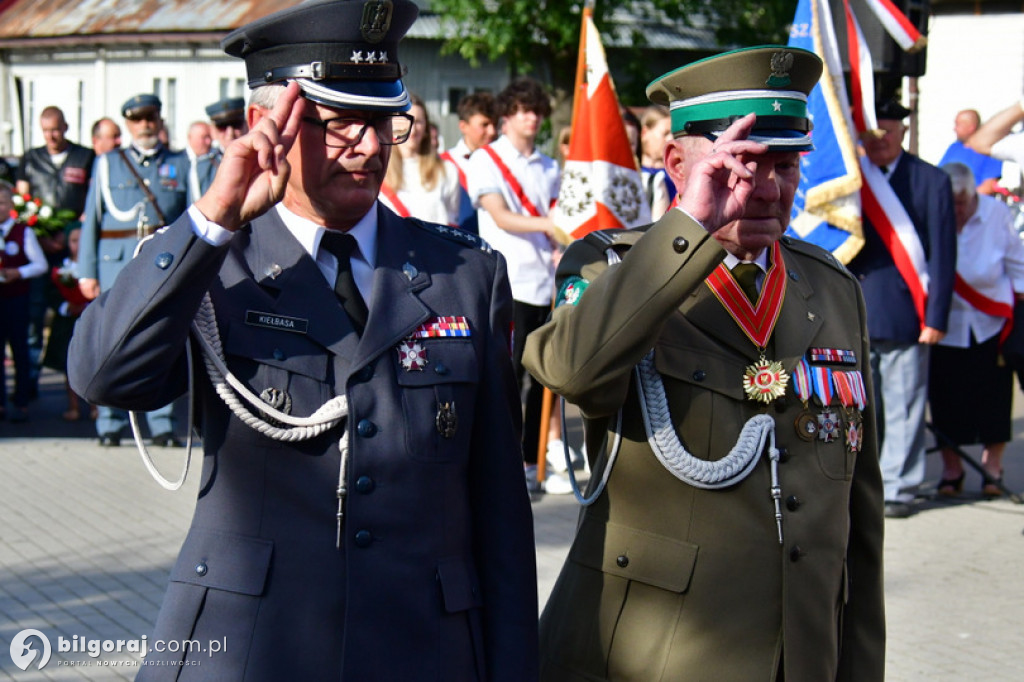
(232, 391)
(701, 473)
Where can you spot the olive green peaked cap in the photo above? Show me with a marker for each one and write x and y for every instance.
(772, 81)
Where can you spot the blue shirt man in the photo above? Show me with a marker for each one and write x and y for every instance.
(987, 170)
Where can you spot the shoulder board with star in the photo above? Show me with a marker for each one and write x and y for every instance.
(814, 251)
(455, 234)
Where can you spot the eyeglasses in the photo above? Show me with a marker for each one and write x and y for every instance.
(344, 133)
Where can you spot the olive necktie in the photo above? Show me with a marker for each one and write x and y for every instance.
(342, 246)
(745, 275)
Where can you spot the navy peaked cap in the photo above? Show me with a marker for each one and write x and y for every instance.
(227, 110)
(343, 53)
(138, 103)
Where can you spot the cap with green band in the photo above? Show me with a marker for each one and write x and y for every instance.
(771, 81)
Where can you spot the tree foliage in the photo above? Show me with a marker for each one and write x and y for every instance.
(525, 32)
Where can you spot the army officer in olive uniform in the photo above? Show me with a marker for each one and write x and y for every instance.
(362, 514)
(722, 371)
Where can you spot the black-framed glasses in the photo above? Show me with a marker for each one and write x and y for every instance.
(346, 132)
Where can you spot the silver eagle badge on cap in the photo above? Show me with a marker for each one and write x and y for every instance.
(376, 20)
(782, 62)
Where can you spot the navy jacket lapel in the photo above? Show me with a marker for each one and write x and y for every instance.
(402, 271)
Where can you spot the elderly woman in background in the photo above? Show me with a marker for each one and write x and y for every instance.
(419, 184)
(970, 388)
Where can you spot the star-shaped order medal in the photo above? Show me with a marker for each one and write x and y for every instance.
(765, 380)
(412, 355)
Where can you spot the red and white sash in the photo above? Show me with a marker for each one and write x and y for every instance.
(511, 181)
(447, 156)
(883, 208)
(392, 200)
(985, 304)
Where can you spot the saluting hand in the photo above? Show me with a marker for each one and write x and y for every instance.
(254, 172)
(719, 185)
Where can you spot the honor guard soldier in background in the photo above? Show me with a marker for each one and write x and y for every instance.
(135, 191)
(228, 118)
(722, 371)
(362, 514)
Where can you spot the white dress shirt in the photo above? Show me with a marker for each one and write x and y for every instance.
(990, 258)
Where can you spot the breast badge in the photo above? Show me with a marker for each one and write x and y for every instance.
(447, 420)
(412, 355)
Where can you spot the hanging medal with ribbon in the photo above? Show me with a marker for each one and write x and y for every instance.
(853, 397)
(764, 380)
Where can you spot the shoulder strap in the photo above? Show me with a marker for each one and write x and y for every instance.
(143, 186)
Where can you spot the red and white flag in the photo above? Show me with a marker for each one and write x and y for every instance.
(601, 186)
(897, 25)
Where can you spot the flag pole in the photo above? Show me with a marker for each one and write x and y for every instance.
(548, 399)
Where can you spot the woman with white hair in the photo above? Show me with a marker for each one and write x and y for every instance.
(970, 387)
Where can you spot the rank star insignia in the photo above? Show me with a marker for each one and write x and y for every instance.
(412, 355)
(765, 381)
(828, 426)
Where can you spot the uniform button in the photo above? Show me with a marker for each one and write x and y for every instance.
(795, 553)
(365, 484)
(792, 503)
(861, 277)
(795, 276)
(164, 260)
(680, 245)
(366, 428)
(622, 561)
(781, 405)
(201, 569)
(363, 538)
(783, 454)
(365, 374)
(700, 375)
(278, 354)
(441, 369)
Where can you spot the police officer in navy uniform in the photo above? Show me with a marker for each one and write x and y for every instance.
(227, 123)
(118, 213)
(228, 118)
(362, 513)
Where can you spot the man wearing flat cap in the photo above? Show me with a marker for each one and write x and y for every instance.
(134, 192)
(732, 529)
(362, 514)
(906, 268)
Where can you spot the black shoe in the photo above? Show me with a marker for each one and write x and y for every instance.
(898, 510)
(167, 440)
(110, 440)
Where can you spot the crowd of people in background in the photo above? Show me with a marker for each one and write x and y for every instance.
(496, 182)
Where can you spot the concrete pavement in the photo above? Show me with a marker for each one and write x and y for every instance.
(87, 540)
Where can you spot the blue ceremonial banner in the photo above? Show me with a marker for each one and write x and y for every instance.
(826, 210)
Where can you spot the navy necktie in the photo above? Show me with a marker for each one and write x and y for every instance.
(342, 246)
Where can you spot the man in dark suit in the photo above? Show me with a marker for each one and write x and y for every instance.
(676, 341)
(363, 514)
(906, 269)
